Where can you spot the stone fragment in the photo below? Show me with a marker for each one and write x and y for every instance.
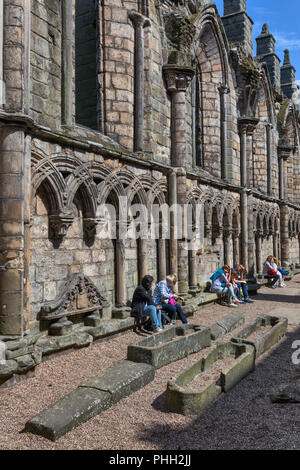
(286, 393)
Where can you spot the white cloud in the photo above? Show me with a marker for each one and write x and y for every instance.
(286, 42)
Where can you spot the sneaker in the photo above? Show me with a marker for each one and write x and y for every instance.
(238, 301)
(232, 305)
(282, 286)
(249, 301)
(273, 287)
(157, 330)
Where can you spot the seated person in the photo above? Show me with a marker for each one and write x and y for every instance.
(241, 284)
(270, 268)
(163, 295)
(222, 285)
(143, 305)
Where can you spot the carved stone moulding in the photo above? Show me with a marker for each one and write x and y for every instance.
(247, 124)
(90, 226)
(59, 224)
(78, 296)
(178, 77)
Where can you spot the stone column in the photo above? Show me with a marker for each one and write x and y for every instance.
(269, 159)
(246, 128)
(172, 183)
(258, 242)
(120, 273)
(227, 245)
(140, 22)
(284, 152)
(275, 245)
(223, 91)
(16, 55)
(284, 235)
(143, 257)
(178, 80)
(236, 247)
(67, 80)
(12, 145)
(2, 91)
(161, 252)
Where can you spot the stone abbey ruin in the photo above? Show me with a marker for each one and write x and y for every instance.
(156, 101)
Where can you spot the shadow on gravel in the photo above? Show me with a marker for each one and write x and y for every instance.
(278, 298)
(245, 417)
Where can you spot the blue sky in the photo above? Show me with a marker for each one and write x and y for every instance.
(283, 18)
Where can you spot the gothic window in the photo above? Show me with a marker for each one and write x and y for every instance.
(86, 63)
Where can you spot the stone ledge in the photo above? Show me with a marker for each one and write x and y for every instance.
(90, 399)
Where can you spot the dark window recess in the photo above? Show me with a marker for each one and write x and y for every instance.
(86, 64)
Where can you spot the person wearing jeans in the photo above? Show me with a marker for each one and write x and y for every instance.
(241, 284)
(163, 294)
(143, 305)
(221, 285)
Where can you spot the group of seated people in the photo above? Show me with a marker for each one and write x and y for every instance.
(231, 281)
(161, 307)
(275, 274)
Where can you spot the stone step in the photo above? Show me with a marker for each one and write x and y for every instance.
(90, 399)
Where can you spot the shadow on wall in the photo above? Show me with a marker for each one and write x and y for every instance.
(244, 418)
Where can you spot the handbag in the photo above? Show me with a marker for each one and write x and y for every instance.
(271, 272)
(283, 271)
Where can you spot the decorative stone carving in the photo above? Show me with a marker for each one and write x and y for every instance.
(180, 32)
(59, 225)
(79, 295)
(178, 78)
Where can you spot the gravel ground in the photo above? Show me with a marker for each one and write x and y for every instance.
(244, 418)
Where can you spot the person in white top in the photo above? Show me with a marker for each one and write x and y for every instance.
(271, 266)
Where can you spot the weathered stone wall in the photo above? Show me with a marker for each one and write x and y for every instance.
(46, 29)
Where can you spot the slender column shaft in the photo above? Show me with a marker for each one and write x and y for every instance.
(258, 241)
(227, 247)
(143, 258)
(162, 267)
(12, 149)
(281, 178)
(285, 241)
(275, 245)
(223, 90)
(140, 22)
(269, 159)
(67, 90)
(120, 273)
(236, 249)
(173, 241)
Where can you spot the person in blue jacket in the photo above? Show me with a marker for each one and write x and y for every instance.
(221, 285)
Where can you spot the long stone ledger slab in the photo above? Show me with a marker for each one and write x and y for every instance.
(90, 398)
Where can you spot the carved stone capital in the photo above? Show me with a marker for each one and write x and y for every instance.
(178, 78)
(247, 125)
(284, 152)
(223, 89)
(59, 224)
(90, 225)
(139, 20)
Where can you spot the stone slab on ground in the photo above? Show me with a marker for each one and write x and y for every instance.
(227, 324)
(184, 398)
(267, 339)
(286, 393)
(170, 345)
(291, 313)
(90, 398)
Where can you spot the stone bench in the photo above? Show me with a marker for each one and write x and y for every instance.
(267, 339)
(170, 345)
(182, 398)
